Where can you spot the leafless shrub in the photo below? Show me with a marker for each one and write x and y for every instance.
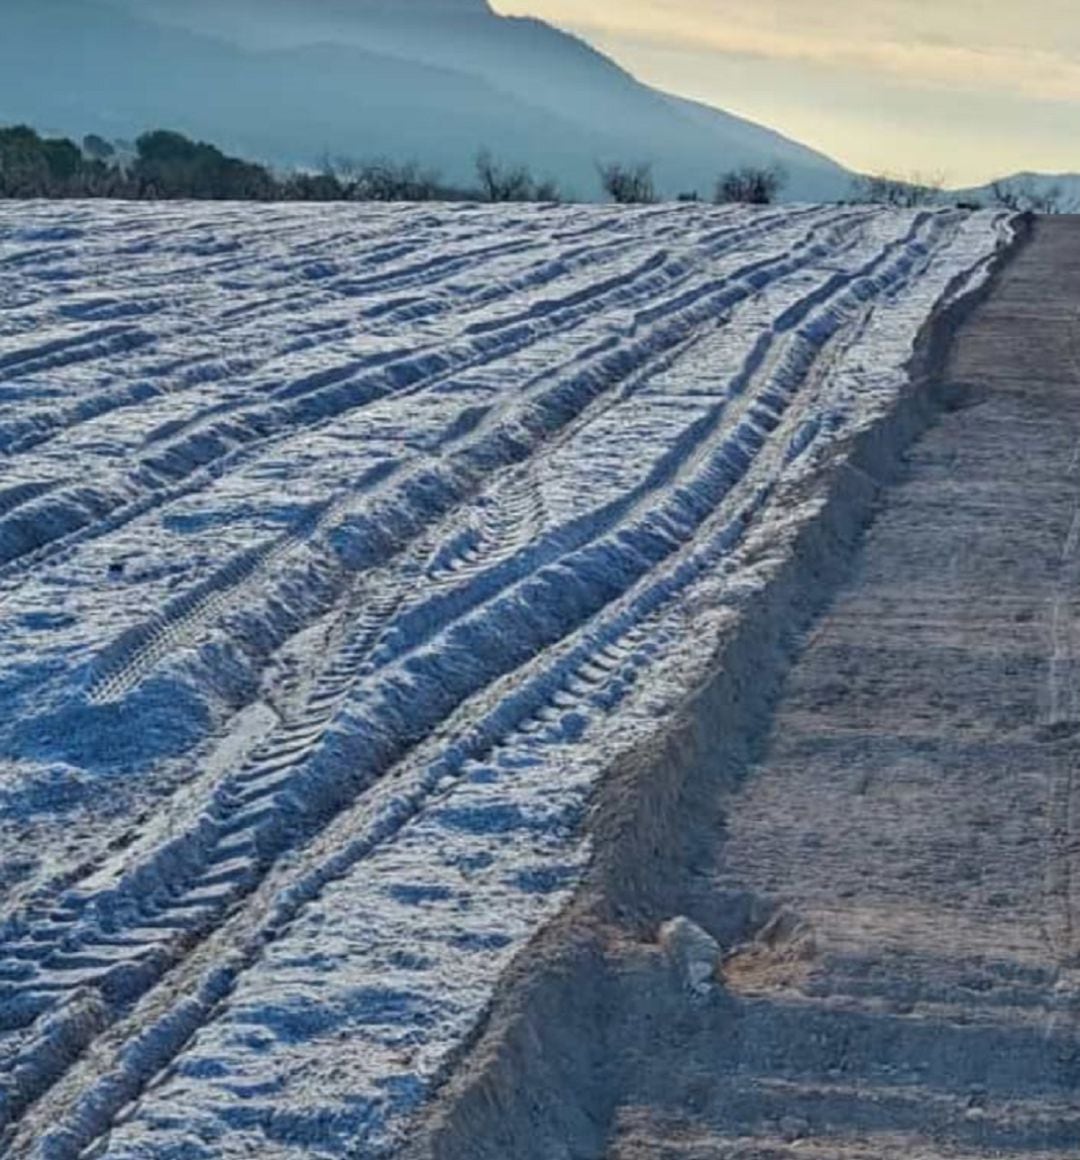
(383, 180)
(1023, 196)
(750, 186)
(547, 191)
(499, 182)
(628, 184)
(899, 192)
(389, 181)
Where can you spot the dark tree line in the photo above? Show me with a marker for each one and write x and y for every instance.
(160, 164)
(168, 165)
(32, 166)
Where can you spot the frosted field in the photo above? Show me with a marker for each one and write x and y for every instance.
(342, 551)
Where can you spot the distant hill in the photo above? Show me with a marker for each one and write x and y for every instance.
(1063, 188)
(290, 81)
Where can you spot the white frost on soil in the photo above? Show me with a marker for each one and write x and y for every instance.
(347, 545)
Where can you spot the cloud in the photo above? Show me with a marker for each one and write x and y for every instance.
(970, 88)
(966, 47)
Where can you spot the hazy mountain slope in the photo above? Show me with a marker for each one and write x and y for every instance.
(534, 62)
(427, 79)
(111, 74)
(1066, 187)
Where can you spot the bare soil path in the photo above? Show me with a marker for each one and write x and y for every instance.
(917, 812)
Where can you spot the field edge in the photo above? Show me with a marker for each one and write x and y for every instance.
(540, 1077)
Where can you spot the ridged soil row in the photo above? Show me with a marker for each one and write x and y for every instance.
(497, 443)
(561, 1044)
(198, 458)
(692, 505)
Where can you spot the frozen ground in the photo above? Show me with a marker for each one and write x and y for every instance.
(916, 810)
(341, 552)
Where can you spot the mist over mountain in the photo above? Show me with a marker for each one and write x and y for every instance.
(291, 81)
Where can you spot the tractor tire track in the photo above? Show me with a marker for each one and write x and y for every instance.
(474, 624)
(28, 539)
(123, 665)
(248, 823)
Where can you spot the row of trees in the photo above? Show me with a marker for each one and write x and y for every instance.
(633, 184)
(164, 164)
(1018, 194)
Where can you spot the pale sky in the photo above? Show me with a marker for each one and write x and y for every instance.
(963, 89)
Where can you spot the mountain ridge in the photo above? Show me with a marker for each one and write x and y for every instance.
(433, 84)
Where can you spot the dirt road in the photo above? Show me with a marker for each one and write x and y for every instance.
(917, 813)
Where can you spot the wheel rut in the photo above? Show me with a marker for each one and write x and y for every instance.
(486, 620)
(883, 882)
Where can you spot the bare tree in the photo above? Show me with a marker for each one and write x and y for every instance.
(750, 186)
(383, 180)
(548, 191)
(628, 184)
(389, 181)
(1005, 195)
(337, 172)
(1023, 196)
(900, 192)
(502, 183)
(1047, 201)
(312, 187)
